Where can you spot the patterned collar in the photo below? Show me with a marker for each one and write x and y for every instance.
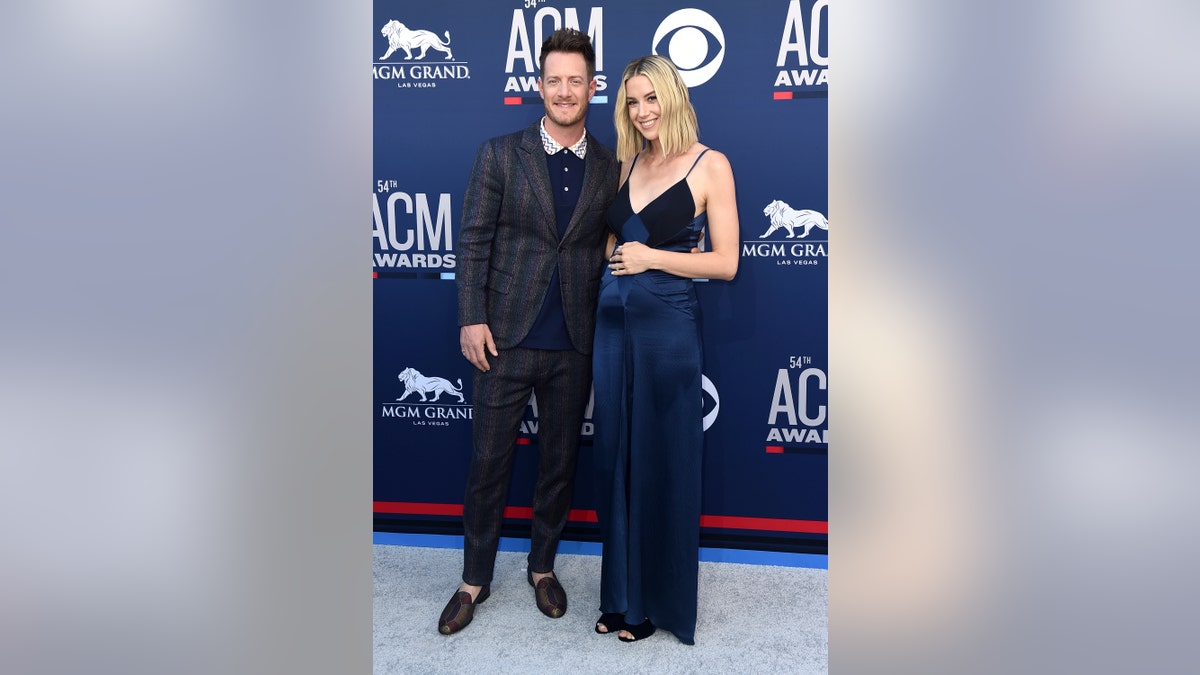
(552, 146)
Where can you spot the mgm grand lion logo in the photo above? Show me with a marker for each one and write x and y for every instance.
(784, 216)
(414, 381)
(400, 36)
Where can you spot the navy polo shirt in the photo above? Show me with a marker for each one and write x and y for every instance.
(566, 179)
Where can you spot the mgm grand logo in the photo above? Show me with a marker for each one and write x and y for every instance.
(427, 408)
(785, 227)
(400, 36)
(416, 46)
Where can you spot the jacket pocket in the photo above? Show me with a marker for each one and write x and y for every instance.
(499, 280)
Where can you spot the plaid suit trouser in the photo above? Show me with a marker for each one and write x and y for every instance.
(561, 381)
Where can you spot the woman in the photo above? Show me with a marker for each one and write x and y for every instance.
(647, 357)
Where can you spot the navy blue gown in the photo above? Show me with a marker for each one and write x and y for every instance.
(649, 434)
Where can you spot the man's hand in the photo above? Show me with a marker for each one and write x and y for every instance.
(476, 342)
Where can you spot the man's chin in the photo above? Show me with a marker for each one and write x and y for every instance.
(565, 120)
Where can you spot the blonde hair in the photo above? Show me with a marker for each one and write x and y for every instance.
(678, 129)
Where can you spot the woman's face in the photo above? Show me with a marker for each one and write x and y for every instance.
(642, 102)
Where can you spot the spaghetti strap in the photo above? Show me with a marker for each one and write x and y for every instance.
(630, 175)
(693, 163)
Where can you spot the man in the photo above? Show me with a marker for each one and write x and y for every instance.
(530, 262)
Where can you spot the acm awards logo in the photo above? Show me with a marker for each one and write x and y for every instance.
(525, 36)
(530, 422)
(420, 67)
(412, 231)
(791, 236)
(435, 401)
(803, 58)
(798, 408)
(694, 41)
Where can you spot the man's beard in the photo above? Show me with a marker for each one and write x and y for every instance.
(558, 116)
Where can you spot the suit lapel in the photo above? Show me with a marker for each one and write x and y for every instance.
(533, 163)
(595, 169)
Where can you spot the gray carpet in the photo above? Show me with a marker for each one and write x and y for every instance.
(752, 619)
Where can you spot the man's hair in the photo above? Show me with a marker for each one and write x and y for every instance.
(571, 41)
(678, 129)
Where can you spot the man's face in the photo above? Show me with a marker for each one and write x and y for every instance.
(566, 88)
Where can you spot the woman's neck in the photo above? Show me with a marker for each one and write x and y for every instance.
(654, 151)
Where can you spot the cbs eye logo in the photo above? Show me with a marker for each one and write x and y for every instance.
(694, 42)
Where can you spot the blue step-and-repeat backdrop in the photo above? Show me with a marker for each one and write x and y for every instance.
(447, 76)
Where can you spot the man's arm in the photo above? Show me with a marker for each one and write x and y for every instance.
(480, 213)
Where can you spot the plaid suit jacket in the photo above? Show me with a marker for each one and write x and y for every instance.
(508, 241)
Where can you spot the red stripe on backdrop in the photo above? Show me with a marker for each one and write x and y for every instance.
(427, 509)
(512, 100)
(583, 516)
(783, 95)
(770, 524)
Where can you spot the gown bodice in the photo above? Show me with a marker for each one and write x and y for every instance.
(666, 222)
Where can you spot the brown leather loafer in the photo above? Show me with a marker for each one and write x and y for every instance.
(550, 596)
(460, 610)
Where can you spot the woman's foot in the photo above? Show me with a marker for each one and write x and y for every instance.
(634, 633)
(610, 622)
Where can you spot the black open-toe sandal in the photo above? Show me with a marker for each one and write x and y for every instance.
(612, 622)
(643, 630)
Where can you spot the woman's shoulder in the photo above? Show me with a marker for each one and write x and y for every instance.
(710, 160)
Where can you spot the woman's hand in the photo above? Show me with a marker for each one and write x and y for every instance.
(632, 257)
